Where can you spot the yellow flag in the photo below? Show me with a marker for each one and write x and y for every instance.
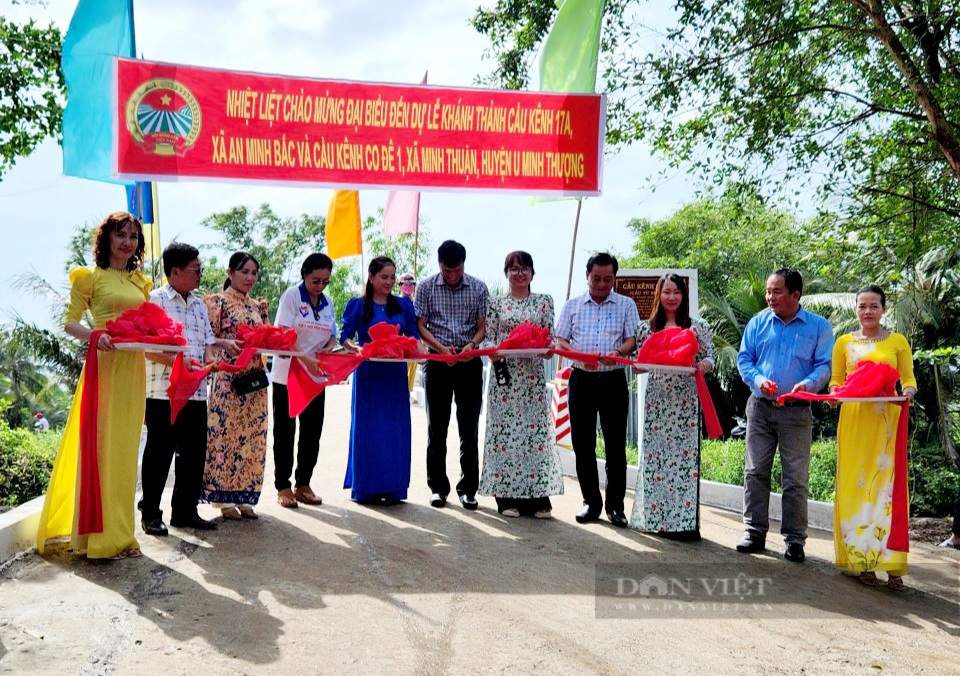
(151, 241)
(343, 225)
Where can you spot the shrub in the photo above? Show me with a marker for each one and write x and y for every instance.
(933, 481)
(26, 460)
(722, 461)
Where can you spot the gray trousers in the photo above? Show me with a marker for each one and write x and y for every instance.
(790, 429)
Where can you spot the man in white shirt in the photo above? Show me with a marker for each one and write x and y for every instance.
(187, 437)
(41, 424)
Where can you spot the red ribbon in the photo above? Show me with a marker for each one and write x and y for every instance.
(710, 418)
(302, 388)
(876, 379)
(90, 506)
(899, 540)
(184, 382)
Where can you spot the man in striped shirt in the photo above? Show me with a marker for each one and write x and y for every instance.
(604, 323)
(187, 437)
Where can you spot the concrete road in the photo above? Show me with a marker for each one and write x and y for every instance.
(344, 588)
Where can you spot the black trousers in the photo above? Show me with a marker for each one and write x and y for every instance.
(284, 430)
(187, 439)
(443, 383)
(605, 393)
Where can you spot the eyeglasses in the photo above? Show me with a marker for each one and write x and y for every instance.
(516, 271)
(198, 270)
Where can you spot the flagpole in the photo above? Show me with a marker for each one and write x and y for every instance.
(573, 246)
(139, 215)
(416, 247)
(155, 229)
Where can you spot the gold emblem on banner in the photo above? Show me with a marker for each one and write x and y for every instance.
(163, 117)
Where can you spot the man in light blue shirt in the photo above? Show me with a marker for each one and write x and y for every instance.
(785, 349)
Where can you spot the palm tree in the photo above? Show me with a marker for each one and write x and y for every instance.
(728, 316)
(20, 380)
(54, 349)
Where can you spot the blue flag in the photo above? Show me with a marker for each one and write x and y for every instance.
(99, 30)
(140, 201)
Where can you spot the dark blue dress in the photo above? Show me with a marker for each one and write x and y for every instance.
(378, 467)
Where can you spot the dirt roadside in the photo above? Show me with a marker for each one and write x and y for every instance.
(343, 588)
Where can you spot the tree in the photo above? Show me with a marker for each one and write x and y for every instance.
(56, 351)
(923, 304)
(725, 238)
(859, 98)
(20, 380)
(31, 88)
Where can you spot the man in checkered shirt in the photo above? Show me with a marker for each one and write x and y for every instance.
(604, 323)
(187, 437)
(451, 317)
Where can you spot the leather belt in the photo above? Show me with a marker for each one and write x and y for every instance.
(794, 403)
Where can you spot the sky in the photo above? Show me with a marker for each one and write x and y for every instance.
(364, 40)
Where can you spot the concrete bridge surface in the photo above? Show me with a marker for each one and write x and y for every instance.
(348, 589)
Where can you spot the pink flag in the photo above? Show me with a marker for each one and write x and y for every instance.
(402, 211)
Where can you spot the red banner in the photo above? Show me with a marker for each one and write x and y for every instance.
(179, 122)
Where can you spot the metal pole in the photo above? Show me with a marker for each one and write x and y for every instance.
(416, 247)
(573, 246)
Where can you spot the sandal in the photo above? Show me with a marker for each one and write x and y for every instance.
(895, 582)
(132, 553)
(512, 512)
(246, 512)
(287, 499)
(870, 579)
(230, 513)
(544, 514)
(306, 495)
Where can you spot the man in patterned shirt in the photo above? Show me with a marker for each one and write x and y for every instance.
(187, 437)
(451, 316)
(604, 323)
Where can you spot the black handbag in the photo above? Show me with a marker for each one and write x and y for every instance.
(249, 382)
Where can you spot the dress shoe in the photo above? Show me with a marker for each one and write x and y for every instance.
(437, 500)
(154, 526)
(469, 502)
(795, 553)
(618, 519)
(751, 544)
(587, 514)
(194, 521)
